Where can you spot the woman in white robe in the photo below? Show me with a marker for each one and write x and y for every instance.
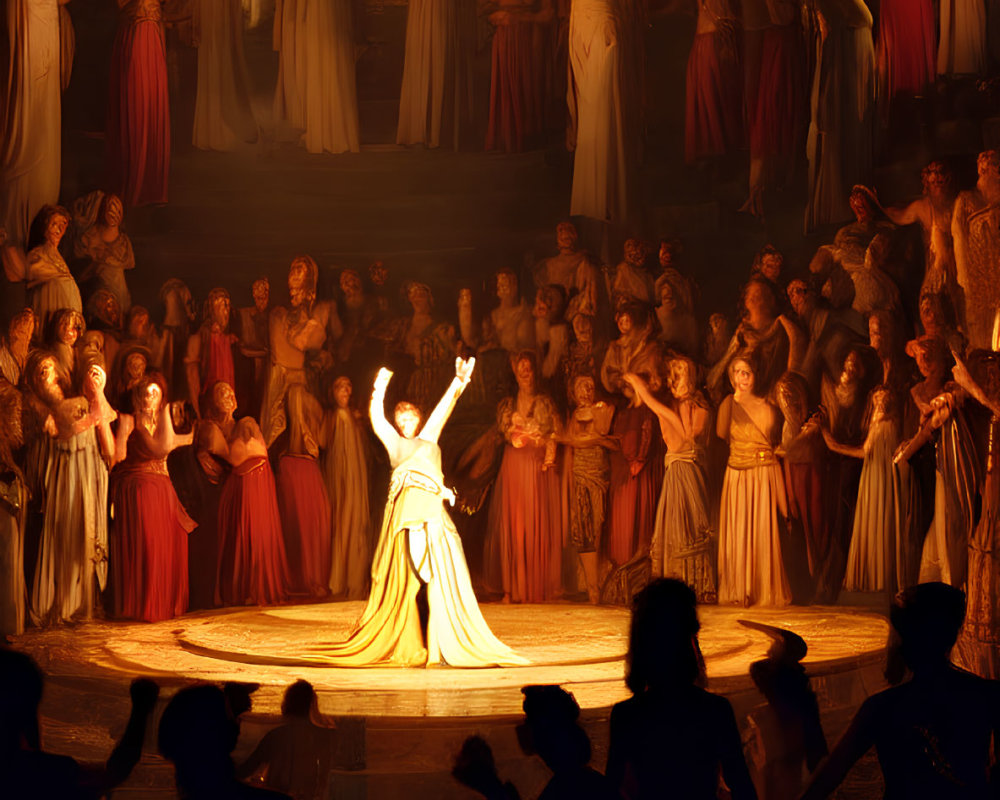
(439, 34)
(597, 103)
(317, 90)
(30, 126)
(222, 114)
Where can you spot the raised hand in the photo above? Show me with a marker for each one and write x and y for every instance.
(960, 371)
(382, 379)
(464, 368)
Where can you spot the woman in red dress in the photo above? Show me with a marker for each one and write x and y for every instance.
(138, 128)
(522, 42)
(524, 538)
(713, 124)
(636, 478)
(253, 568)
(906, 50)
(149, 547)
(303, 501)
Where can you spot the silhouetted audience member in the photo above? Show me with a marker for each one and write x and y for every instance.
(475, 768)
(672, 738)
(198, 733)
(298, 756)
(550, 730)
(784, 736)
(239, 699)
(932, 733)
(27, 771)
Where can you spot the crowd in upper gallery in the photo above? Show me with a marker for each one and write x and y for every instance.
(830, 435)
(786, 82)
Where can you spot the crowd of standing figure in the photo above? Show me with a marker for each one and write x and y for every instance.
(786, 82)
(824, 439)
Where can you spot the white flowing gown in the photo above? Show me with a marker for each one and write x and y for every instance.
(597, 103)
(317, 91)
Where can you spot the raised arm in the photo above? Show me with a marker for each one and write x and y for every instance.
(797, 343)
(856, 741)
(439, 416)
(964, 379)
(385, 431)
(664, 412)
(906, 215)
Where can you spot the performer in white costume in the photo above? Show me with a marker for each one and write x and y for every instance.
(418, 545)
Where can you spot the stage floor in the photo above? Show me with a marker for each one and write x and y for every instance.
(578, 645)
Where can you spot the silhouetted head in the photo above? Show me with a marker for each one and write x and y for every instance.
(551, 728)
(663, 647)
(927, 618)
(298, 700)
(197, 733)
(239, 696)
(21, 684)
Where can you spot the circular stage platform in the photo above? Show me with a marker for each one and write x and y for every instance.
(573, 644)
(415, 719)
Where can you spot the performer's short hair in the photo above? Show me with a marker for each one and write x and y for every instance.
(406, 405)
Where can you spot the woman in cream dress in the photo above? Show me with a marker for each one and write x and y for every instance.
(317, 91)
(222, 113)
(751, 568)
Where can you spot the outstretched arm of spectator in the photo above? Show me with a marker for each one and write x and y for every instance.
(856, 741)
(98, 781)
